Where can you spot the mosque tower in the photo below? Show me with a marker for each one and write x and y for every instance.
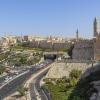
(77, 35)
(95, 27)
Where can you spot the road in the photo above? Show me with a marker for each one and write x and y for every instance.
(11, 86)
(36, 91)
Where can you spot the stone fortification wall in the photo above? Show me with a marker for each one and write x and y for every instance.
(60, 70)
(97, 48)
(83, 50)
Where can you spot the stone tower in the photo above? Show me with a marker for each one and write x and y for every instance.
(77, 35)
(95, 26)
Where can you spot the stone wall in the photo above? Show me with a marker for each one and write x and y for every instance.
(83, 50)
(60, 70)
(97, 48)
(61, 45)
(50, 45)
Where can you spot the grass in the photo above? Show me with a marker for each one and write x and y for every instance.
(56, 92)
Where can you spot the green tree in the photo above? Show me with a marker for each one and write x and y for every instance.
(23, 60)
(69, 51)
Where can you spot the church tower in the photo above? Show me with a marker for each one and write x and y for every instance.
(95, 26)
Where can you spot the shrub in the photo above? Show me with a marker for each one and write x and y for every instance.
(73, 82)
(23, 60)
(70, 50)
(75, 74)
(2, 69)
(76, 98)
(22, 90)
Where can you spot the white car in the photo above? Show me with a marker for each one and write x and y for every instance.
(10, 78)
(6, 80)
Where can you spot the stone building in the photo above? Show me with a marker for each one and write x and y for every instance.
(95, 27)
(97, 48)
(28, 38)
(45, 45)
(83, 50)
(96, 39)
(35, 44)
(88, 49)
(77, 35)
(61, 45)
(50, 45)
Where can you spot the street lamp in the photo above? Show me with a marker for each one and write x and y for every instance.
(92, 61)
(1, 97)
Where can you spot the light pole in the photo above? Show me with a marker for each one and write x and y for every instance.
(1, 97)
(92, 61)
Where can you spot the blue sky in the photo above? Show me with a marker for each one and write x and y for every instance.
(48, 17)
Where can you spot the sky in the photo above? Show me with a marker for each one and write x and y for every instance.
(48, 17)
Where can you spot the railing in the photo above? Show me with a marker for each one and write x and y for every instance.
(75, 61)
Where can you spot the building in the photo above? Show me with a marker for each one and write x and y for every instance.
(45, 45)
(97, 48)
(77, 35)
(86, 49)
(19, 39)
(96, 39)
(83, 50)
(60, 45)
(95, 27)
(28, 38)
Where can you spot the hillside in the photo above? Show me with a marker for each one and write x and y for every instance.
(76, 86)
(89, 87)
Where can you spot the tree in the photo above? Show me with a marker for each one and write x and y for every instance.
(23, 60)
(70, 50)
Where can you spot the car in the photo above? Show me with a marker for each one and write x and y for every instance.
(6, 80)
(16, 73)
(10, 78)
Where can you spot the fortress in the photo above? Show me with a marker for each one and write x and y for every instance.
(88, 49)
(96, 41)
(83, 50)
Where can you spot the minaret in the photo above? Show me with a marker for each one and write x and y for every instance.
(77, 35)
(95, 26)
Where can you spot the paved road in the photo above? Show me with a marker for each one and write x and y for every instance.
(12, 86)
(2, 79)
(36, 91)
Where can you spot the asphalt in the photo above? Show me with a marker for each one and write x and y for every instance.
(35, 86)
(12, 86)
(3, 78)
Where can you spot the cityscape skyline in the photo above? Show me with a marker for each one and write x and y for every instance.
(45, 18)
